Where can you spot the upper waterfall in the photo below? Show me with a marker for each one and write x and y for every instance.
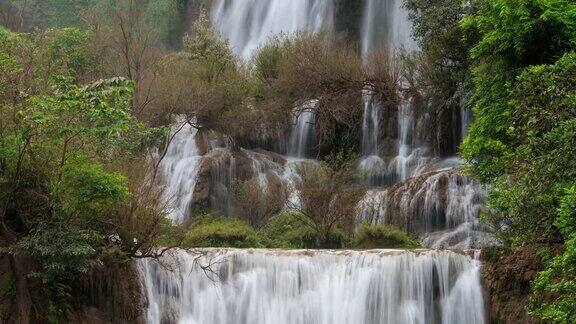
(385, 23)
(247, 24)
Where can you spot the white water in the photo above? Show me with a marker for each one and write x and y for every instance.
(302, 137)
(315, 287)
(179, 169)
(385, 23)
(370, 124)
(443, 208)
(324, 287)
(247, 24)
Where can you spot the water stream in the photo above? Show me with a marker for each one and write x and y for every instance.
(314, 287)
(179, 169)
(247, 24)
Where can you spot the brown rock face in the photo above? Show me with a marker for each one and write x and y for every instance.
(506, 278)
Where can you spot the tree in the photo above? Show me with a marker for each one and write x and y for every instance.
(327, 198)
(257, 202)
(62, 200)
(516, 106)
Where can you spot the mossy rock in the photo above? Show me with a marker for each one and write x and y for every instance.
(210, 231)
(382, 237)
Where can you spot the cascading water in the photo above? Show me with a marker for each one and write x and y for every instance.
(247, 24)
(372, 166)
(277, 287)
(385, 23)
(441, 207)
(179, 169)
(370, 124)
(320, 287)
(405, 124)
(303, 137)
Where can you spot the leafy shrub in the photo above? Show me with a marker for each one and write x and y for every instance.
(294, 230)
(212, 231)
(555, 287)
(289, 230)
(382, 237)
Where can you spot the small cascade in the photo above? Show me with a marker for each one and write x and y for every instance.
(441, 207)
(372, 167)
(303, 287)
(370, 124)
(179, 169)
(247, 24)
(223, 174)
(405, 125)
(303, 136)
(385, 24)
(466, 118)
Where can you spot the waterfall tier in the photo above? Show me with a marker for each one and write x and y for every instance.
(441, 207)
(179, 169)
(320, 287)
(247, 24)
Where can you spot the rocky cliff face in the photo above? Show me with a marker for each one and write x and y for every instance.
(109, 294)
(506, 277)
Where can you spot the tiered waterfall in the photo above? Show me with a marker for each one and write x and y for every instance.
(413, 185)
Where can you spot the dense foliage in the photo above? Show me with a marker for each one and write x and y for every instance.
(522, 140)
(555, 287)
(67, 199)
(513, 62)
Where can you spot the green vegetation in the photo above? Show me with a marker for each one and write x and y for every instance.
(296, 231)
(382, 237)
(222, 232)
(68, 200)
(555, 287)
(513, 62)
(519, 142)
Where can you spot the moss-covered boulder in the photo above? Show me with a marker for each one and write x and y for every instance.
(210, 231)
(382, 237)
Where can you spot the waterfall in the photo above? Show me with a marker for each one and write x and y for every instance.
(179, 169)
(405, 125)
(326, 287)
(370, 124)
(303, 136)
(385, 23)
(441, 207)
(247, 24)
(305, 287)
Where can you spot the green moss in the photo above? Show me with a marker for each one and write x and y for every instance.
(7, 285)
(382, 237)
(293, 230)
(211, 231)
